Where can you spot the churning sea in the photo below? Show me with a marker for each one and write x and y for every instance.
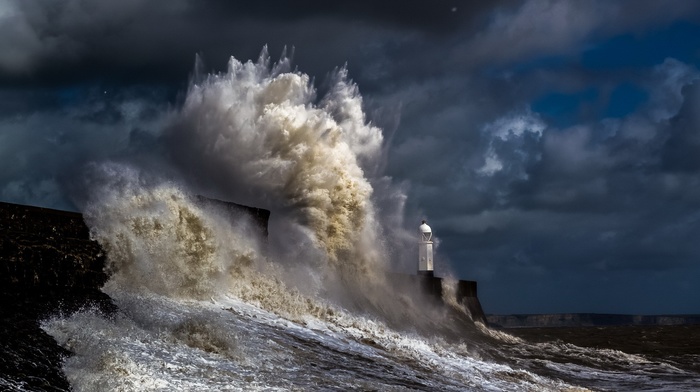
(154, 343)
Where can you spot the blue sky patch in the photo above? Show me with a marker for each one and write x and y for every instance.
(625, 99)
(565, 109)
(648, 49)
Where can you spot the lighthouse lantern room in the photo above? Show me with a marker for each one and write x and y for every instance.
(425, 249)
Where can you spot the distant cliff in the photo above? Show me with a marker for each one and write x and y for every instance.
(586, 320)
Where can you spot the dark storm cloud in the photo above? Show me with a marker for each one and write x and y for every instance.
(42, 151)
(439, 16)
(384, 43)
(545, 27)
(681, 148)
(45, 40)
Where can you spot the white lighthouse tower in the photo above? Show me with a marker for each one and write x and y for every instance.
(425, 249)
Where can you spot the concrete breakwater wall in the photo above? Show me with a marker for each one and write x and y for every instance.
(49, 249)
(46, 249)
(465, 291)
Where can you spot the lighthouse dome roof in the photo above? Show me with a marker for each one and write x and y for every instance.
(424, 228)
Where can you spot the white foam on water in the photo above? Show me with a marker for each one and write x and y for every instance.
(12, 385)
(156, 343)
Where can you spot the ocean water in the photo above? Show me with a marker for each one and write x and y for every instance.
(155, 343)
(203, 303)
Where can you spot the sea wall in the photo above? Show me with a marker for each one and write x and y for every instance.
(49, 251)
(433, 286)
(43, 249)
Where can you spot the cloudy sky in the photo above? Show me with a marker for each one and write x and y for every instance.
(553, 146)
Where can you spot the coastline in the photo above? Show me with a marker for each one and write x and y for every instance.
(561, 320)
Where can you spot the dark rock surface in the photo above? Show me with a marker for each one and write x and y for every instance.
(28, 356)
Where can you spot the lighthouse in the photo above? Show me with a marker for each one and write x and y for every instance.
(425, 249)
